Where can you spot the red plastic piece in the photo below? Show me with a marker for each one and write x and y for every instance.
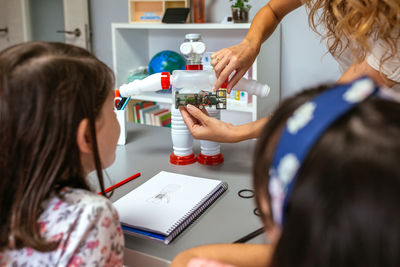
(225, 84)
(165, 80)
(210, 160)
(185, 160)
(194, 67)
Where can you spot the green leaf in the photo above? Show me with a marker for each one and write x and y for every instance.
(240, 3)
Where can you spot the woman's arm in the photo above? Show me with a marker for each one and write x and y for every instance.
(239, 58)
(249, 255)
(250, 130)
(203, 127)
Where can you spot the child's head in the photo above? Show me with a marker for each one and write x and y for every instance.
(57, 124)
(339, 207)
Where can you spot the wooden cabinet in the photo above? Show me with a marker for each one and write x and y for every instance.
(152, 10)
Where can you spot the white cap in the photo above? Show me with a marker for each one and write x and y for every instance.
(199, 47)
(192, 36)
(186, 48)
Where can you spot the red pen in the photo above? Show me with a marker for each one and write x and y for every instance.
(117, 93)
(120, 183)
(117, 98)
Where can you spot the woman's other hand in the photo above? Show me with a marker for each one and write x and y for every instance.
(236, 59)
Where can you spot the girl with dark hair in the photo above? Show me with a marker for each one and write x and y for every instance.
(327, 181)
(57, 125)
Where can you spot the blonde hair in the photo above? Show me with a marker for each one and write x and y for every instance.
(354, 24)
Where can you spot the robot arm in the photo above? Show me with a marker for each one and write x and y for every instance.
(252, 87)
(152, 83)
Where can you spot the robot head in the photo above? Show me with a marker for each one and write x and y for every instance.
(193, 48)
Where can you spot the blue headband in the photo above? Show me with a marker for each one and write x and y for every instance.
(302, 130)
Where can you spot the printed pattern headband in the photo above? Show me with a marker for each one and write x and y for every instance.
(302, 130)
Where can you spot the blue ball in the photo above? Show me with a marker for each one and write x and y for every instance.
(166, 61)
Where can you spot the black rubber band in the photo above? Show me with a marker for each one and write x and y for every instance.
(257, 212)
(246, 193)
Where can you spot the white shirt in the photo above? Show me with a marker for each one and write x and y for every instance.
(390, 68)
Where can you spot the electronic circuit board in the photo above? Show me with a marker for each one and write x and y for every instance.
(204, 98)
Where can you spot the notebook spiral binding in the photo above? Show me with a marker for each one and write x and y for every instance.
(189, 217)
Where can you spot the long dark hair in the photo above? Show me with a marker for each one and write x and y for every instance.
(46, 89)
(343, 210)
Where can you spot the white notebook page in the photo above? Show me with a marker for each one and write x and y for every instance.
(163, 200)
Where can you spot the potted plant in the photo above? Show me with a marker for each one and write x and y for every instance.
(240, 11)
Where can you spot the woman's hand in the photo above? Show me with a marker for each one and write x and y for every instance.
(238, 58)
(203, 127)
(235, 59)
(200, 262)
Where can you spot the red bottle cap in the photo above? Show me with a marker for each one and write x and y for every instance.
(165, 80)
(182, 160)
(210, 160)
(194, 67)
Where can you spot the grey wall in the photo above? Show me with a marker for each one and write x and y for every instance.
(102, 14)
(305, 62)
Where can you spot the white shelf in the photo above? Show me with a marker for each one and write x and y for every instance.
(160, 98)
(185, 26)
(231, 105)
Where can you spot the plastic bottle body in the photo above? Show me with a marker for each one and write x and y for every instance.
(182, 140)
(191, 81)
(210, 153)
(152, 83)
(252, 87)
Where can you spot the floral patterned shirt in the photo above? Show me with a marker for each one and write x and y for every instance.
(87, 226)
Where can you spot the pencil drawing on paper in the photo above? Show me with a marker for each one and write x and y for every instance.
(164, 196)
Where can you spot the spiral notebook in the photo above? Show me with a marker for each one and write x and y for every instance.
(166, 204)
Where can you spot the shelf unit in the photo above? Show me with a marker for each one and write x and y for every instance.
(133, 45)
